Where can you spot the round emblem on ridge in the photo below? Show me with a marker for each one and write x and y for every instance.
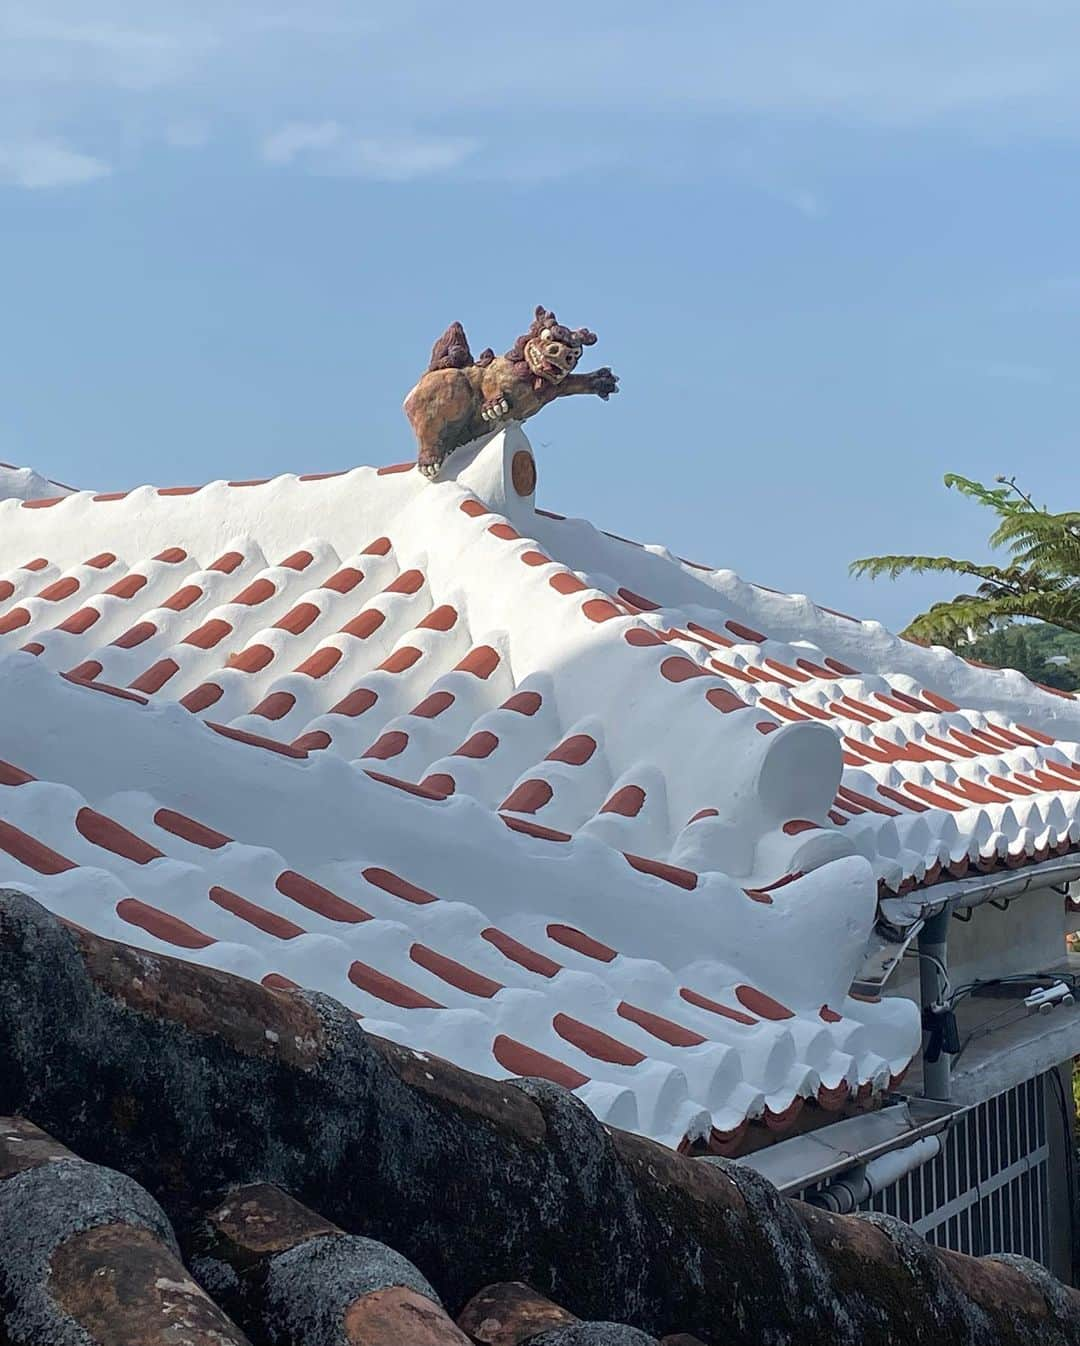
(523, 472)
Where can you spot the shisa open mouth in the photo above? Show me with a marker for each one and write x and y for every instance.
(551, 360)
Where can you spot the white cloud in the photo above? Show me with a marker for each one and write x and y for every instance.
(764, 164)
(977, 67)
(566, 88)
(44, 47)
(38, 163)
(806, 203)
(187, 135)
(90, 35)
(284, 145)
(328, 149)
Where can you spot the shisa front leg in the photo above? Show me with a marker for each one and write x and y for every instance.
(496, 411)
(600, 382)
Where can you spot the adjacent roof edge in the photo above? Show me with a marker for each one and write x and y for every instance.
(23, 483)
(963, 894)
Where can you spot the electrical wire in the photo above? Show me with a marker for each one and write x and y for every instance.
(943, 971)
(969, 988)
(988, 1025)
(986, 1028)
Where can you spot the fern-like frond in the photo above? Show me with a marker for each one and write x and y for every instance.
(1002, 499)
(1050, 541)
(893, 566)
(969, 614)
(1041, 580)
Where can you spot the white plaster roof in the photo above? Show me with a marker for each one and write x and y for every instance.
(23, 483)
(522, 794)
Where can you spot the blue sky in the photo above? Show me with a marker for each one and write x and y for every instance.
(830, 249)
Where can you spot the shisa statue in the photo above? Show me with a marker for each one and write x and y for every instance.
(459, 398)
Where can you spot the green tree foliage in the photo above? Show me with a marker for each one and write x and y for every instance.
(1044, 653)
(1039, 585)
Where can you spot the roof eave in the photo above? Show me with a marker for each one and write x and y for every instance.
(901, 918)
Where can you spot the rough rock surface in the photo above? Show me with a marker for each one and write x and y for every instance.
(194, 1081)
(282, 1271)
(510, 1314)
(87, 1256)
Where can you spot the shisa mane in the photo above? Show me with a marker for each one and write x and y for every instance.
(545, 320)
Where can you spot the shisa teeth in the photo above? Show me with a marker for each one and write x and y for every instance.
(496, 410)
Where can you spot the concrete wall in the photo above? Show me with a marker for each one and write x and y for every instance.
(1027, 936)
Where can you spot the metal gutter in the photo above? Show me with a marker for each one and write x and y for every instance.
(963, 894)
(816, 1156)
(900, 919)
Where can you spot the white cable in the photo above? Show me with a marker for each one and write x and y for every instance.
(933, 958)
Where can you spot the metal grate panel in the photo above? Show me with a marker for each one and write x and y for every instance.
(986, 1192)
